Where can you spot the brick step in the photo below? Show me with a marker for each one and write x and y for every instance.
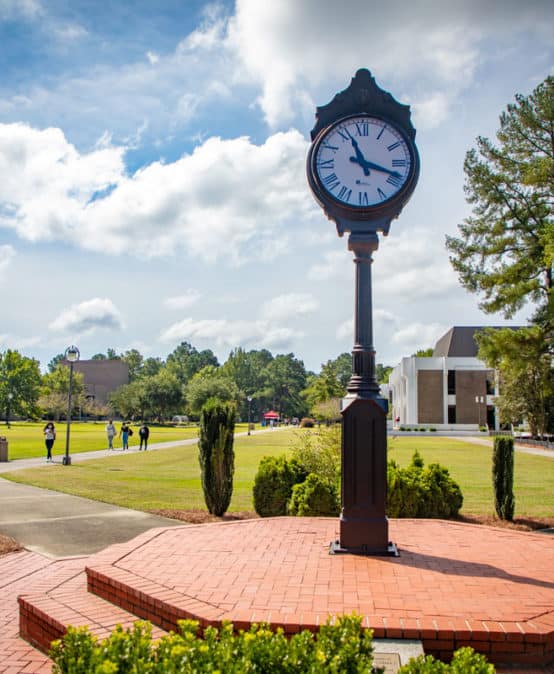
(46, 616)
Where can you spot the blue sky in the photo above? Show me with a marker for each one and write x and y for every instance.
(152, 168)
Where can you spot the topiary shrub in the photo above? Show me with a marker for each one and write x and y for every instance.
(464, 661)
(503, 477)
(315, 497)
(307, 422)
(273, 484)
(417, 491)
(216, 455)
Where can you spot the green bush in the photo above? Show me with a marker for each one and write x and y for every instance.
(417, 491)
(315, 497)
(307, 422)
(273, 484)
(336, 648)
(319, 452)
(503, 477)
(216, 455)
(341, 647)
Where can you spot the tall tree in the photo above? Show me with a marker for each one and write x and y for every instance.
(55, 390)
(505, 249)
(20, 381)
(286, 378)
(524, 365)
(209, 383)
(134, 360)
(186, 360)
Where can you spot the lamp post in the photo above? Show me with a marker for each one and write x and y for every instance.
(72, 356)
(8, 406)
(249, 398)
(479, 400)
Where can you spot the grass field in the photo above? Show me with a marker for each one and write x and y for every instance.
(170, 478)
(25, 440)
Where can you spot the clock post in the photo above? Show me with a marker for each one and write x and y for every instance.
(362, 168)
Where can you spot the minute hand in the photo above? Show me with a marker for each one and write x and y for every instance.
(376, 167)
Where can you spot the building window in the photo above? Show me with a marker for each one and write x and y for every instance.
(451, 414)
(490, 386)
(451, 382)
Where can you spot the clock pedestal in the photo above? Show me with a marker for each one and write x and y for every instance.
(364, 526)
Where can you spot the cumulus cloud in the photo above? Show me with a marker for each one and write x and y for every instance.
(416, 336)
(434, 43)
(215, 202)
(8, 341)
(187, 299)
(85, 317)
(288, 306)
(228, 333)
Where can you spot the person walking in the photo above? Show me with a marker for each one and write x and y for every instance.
(144, 434)
(110, 433)
(49, 436)
(124, 434)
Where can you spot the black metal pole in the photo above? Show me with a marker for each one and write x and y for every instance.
(249, 404)
(67, 458)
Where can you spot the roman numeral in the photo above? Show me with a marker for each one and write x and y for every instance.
(331, 181)
(381, 133)
(326, 164)
(381, 194)
(363, 199)
(362, 128)
(333, 148)
(394, 180)
(344, 194)
(392, 147)
(399, 162)
(344, 134)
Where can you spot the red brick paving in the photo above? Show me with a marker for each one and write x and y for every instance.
(453, 584)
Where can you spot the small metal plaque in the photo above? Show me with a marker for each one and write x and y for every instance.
(390, 662)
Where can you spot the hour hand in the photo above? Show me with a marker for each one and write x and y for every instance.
(359, 158)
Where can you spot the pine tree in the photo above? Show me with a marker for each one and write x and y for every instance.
(503, 477)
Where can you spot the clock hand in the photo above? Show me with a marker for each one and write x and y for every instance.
(359, 158)
(377, 167)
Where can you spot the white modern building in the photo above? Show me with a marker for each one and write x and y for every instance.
(450, 389)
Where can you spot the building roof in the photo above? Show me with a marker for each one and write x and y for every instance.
(459, 341)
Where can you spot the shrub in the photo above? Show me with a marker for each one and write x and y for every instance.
(417, 491)
(315, 497)
(503, 476)
(319, 452)
(216, 455)
(340, 647)
(307, 422)
(433, 430)
(464, 661)
(273, 484)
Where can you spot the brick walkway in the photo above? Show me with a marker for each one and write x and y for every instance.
(454, 584)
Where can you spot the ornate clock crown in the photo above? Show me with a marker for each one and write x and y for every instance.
(364, 96)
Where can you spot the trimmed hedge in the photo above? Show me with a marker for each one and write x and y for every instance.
(315, 497)
(341, 647)
(273, 484)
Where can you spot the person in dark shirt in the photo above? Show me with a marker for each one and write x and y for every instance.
(144, 434)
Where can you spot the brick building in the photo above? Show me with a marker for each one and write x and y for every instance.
(452, 388)
(101, 377)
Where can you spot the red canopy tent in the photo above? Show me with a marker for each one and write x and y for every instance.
(271, 415)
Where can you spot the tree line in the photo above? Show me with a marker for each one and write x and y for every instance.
(180, 385)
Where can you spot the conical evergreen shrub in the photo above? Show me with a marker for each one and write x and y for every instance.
(216, 454)
(503, 477)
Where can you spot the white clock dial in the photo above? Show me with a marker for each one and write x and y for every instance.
(362, 161)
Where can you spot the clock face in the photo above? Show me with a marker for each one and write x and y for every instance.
(362, 161)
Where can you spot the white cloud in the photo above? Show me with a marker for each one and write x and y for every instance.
(152, 57)
(418, 336)
(213, 203)
(335, 264)
(288, 306)
(345, 329)
(10, 9)
(187, 299)
(226, 333)
(8, 341)
(290, 48)
(87, 316)
(7, 253)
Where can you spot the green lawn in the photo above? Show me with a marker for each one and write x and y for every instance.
(25, 439)
(169, 478)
